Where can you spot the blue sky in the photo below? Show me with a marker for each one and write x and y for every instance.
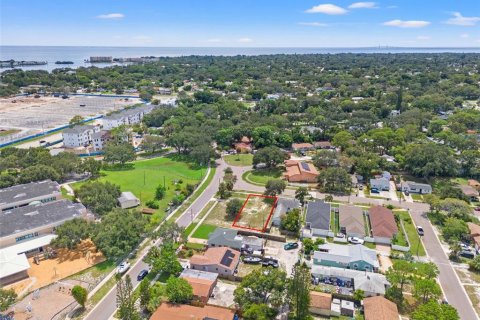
(241, 23)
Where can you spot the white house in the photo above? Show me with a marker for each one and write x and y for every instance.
(78, 136)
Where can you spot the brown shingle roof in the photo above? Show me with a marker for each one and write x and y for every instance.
(474, 229)
(322, 144)
(379, 308)
(351, 217)
(304, 145)
(168, 311)
(320, 300)
(224, 256)
(382, 221)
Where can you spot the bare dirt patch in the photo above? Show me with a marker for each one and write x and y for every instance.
(255, 213)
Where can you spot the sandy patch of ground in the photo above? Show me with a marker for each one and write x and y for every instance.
(255, 212)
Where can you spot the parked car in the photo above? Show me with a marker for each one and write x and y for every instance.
(407, 193)
(355, 240)
(467, 254)
(142, 275)
(252, 260)
(290, 246)
(374, 190)
(360, 187)
(340, 235)
(420, 231)
(465, 247)
(270, 263)
(247, 251)
(315, 280)
(123, 267)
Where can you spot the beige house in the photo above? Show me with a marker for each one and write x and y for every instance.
(221, 260)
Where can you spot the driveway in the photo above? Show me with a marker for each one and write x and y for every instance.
(222, 294)
(383, 252)
(286, 258)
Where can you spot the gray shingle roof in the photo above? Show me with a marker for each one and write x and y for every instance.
(225, 237)
(284, 205)
(318, 215)
(78, 129)
(348, 254)
(34, 216)
(28, 191)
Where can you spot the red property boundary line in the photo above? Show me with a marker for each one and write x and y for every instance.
(239, 214)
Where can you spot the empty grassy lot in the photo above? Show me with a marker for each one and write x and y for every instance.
(255, 212)
(239, 160)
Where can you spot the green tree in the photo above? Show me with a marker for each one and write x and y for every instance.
(144, 292)
(76, 120)
(454, 229)
(152, 143)
(400, 273)
(178, 290)
(291, 221)
(119, 232)
(157, 292)
(91, 166)
(71, 233)
(432, 310)
(120, 153)
(201, 154)
(223, 191)
(474, 264)
(274, 187)
(334, 180)
(165, 260)
(160, 192)
(426, 289)
(233, 207)
(326, 158)
(270, 156)
(263, 137)
(100, 197)
(126, 299)
(170, 232)
(259, 312)
(80, 295)
(300, 194)
(359, 295)
(7, 298)
(430, 159)
(299, 292)
(343, 140)
(308, 245)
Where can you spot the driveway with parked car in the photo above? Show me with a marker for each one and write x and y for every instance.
(286, 258)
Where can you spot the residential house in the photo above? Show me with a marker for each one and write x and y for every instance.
(300, 171)
(244, 145)
(78, 136)
(415, 187)
(470, 192)
(383, 224)
(283, 206)
(379, 308)
(351, 220)
(382, 182)
(24, 194)
(356, 257)
(320, 303)
(302, 147)
(167, 311)
(221, 260)
(474, 235)
(128, 200)
(317, 219)
(373, 284)
(224, 237)
(100, 139)
(474, 183)
(323, 145)
(202, 283)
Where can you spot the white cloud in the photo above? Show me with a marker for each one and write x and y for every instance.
(464, 36)
(460, 20)
(406, 23)
(244, 40)
(313, 24)
(327, 8)
(423, 38)
(363, 5)
(214, 40)
(111, 16)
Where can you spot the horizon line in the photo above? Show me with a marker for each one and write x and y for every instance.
(252, 47)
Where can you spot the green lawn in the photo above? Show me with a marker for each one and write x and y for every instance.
(192, 225)
(261, 176)
(239, 160)
(203, 231)
(144, 176)
(417, 197)
(412, 234)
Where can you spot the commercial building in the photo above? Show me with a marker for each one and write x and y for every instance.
(356, 257)
(24, 194)
(78, 136)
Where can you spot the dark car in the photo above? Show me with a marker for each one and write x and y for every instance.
(374, 190)
(420, 231)
(142, 275)
(467, 254)
(252, 260)
(272, 264)
(290, 246)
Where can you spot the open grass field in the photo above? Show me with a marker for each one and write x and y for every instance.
(203, 231)
(143, 177)
(239, 160)
(255, 213)
(261, 176)
(412, 234)
(218, 216)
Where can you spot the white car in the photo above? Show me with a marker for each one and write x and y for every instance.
(356, 240)
(123, 267)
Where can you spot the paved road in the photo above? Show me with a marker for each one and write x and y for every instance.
(106, 307)
(453, 290)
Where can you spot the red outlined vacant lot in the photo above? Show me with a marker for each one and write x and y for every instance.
(255, 213)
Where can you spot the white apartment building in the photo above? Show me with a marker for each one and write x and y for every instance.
(78, 136)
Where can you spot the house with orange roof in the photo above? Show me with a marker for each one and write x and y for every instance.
(300, 171)
(220, 260)
(168, 311)
(320, 303)
(380, 308)
(202, 283)
(474, 234)
(383, 224)
(474, 183)
(244, 145)
(302, 147)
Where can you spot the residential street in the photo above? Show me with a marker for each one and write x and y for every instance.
(107, 307)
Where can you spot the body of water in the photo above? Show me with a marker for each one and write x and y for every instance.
(78, 55)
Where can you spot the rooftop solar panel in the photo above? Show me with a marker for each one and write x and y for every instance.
(227, 258)
(305, 166)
